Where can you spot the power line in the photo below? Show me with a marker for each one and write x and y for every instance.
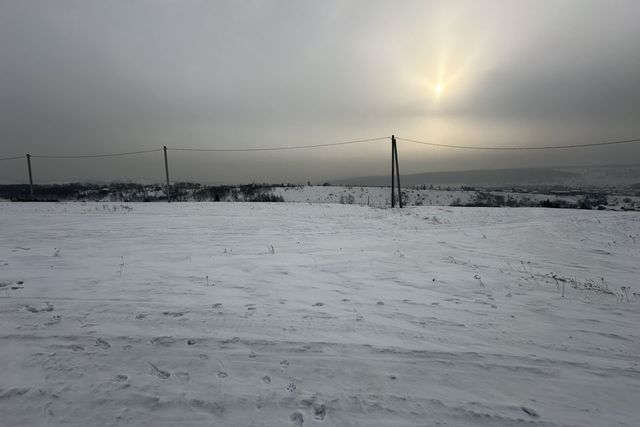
(96, 155)
(301, 147)
(547, 147)
(296, 147)
(11, 158)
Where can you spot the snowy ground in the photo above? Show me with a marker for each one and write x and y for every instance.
(370, 196)
(328, 315)
(381, 196)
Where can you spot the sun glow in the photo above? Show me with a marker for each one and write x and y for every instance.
(439, 88)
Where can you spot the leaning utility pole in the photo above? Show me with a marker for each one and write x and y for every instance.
(30, 176)
(395, 147)
(395, 173)
(166, 170)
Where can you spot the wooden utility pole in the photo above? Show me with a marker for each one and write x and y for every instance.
(395, 149)
(393, 171)
(30, 176)
(166, 170)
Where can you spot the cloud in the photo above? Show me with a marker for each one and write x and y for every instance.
(94, 76)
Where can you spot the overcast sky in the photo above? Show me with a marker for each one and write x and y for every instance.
(86, 77)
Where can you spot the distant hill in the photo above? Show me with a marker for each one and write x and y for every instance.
(579, 176)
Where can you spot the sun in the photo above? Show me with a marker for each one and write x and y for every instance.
(439, 88)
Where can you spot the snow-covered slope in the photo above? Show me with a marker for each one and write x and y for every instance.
(370, 196)
(335, 315)
(617, 176)
(381, 197)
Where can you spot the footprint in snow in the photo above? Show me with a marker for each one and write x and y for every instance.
(103, 344)
(47, 307)
(163, 375)
(120, 378)
(18, 284)
(173, 313)
(162, 340)
(266, 379)
(319, 412)
(379, 303)
(222, 374)
(53, 320)
(296, 419)
(318, 304)
(284, 363)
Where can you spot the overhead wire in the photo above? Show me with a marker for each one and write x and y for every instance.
(87, 156)
(294, 147)
(11, 158)
(532, 147)
(334, 144)
(297, 147)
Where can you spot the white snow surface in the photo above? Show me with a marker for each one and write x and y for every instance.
(238, 314)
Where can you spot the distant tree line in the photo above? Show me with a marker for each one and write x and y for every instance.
(487, 199)
(131, 192)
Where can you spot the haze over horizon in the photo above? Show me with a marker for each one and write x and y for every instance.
(91, 77)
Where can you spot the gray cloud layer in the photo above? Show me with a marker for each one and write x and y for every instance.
(93, 76)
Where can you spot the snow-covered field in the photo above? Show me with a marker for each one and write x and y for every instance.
(381, 196)
(335, 315)
(370, 196)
